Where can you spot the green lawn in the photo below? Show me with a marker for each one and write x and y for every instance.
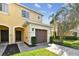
(72, 43)
(38, 52)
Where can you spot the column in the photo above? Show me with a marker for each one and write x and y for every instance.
(0, 35)
(11, 35)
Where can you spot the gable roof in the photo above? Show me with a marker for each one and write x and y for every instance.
(29, 9)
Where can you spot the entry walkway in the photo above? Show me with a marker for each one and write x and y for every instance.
(62, 50)
(3, 47)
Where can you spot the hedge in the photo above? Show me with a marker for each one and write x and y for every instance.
(33, 41)
(56, 40)
(51, 39)
(70, 37)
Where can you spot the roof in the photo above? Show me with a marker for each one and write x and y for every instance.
(41, 24)
(29, 9)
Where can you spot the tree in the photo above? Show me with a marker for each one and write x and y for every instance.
(68, 17)
(72, 18)
(55, 18)
(53, 24)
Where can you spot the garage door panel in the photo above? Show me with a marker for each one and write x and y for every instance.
(41, 35)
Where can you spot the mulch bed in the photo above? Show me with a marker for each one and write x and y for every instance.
(11, 49)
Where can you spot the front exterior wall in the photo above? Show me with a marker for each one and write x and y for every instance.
(14, 19)
(32, 33)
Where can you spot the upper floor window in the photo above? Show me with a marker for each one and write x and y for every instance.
(38, 17)
(0, 6)
(25, 14)
(4, 7)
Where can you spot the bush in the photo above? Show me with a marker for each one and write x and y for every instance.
(33, 41)
(77, 38)
(58, 41)
(57, 37)
(51, 39)
(70, 37)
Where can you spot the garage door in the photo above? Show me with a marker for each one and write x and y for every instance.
(41, 35)
(4, 35)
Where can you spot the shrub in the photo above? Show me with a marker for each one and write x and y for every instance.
(58, 41)
(57, 37)
(51, 39)
(70, 37)
(77, 38)
(33, 41)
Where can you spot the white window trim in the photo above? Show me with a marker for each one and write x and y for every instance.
(5, 9)
(25, 17)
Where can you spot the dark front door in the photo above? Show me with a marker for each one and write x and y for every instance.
(4, 35)
(18, 36)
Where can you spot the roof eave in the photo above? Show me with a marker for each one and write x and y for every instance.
(29, 9)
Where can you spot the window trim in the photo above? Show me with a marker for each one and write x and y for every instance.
(26, 17)
(39, 17)
(1, 6)
(4, 8)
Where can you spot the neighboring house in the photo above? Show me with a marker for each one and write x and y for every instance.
(19, 23)
(55, 27)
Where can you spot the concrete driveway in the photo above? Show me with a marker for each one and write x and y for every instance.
(23, 47)
(64, 51)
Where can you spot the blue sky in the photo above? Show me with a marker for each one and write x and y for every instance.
(45, 8)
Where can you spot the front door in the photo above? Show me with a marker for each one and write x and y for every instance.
(4, 35)
(18, 35)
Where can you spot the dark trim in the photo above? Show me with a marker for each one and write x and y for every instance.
(29, 45)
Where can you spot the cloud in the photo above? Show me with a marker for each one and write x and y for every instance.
(49, 5)
(37, 5)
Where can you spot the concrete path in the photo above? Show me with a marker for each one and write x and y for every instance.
(64, 51)
(23, 47)
(3, 47)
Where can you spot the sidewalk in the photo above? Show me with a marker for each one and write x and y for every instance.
(3, 47)
(62, 50)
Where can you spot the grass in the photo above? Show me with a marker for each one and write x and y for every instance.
(72, 43)
(38, 52)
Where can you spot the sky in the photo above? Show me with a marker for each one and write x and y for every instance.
(44, 8)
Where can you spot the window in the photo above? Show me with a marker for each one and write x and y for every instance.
(32, 29)
(0, 6)
(3, 7)
(38, 17)
(25, 14)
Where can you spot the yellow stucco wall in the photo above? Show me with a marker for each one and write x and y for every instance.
(14, 19)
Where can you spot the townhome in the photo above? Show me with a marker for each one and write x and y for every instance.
(19, 23)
